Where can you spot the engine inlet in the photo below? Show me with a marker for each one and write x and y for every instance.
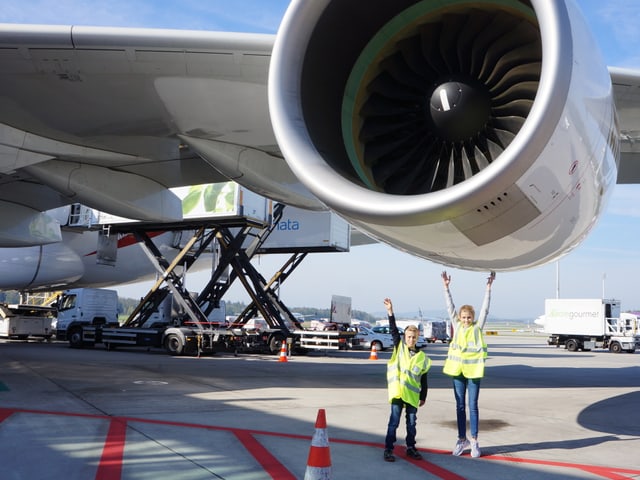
(437, 95)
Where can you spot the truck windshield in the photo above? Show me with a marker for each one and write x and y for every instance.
(67, 302)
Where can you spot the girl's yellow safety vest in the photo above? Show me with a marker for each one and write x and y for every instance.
(404, 372)
(467, 353)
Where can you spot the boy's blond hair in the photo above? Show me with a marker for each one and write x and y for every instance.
(412, 328)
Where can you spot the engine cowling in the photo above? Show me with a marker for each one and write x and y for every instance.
(480, 135)
(28, 268)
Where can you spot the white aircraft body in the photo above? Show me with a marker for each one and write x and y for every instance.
(73, 262)
(481, 135)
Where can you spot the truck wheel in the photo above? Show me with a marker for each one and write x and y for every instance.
(275, 344)
(75, 338)
(174, 344)
(572, 345)
(615, 347)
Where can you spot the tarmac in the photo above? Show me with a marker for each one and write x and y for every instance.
(545, 413)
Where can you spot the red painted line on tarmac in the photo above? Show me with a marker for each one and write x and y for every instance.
(272, 466)
(434, 469)
(611, 473)
(603, 472)
(5, 413)
(110, 466)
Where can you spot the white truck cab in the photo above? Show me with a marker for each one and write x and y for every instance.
(85, 306)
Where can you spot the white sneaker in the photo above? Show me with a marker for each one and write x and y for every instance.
(461, 446)
(475, 449)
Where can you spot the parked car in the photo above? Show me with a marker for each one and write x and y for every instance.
(384, 330)
(375, 336)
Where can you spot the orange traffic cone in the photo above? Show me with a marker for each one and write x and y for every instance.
(283, 352)
(374, 353)
(319, 461)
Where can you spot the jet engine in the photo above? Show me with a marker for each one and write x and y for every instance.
(480, 134)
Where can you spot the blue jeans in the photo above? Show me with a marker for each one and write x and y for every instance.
(461, 385)
(411, 415)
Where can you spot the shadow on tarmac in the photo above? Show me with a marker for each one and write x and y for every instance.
(613, 415)
(560, 445)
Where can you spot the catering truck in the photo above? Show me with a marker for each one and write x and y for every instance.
(587, 323)
(87, 317)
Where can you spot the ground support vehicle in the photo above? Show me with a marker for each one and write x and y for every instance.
(193, 338)
(23, 321)
(435, 330)
(335, 334)
(80, 307)
(329, 336)
(176, 340)
(327, 340)
(236, 239)
(585, 324)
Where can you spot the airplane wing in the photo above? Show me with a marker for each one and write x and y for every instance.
(483, 137)
(626, 91)
(100, 116)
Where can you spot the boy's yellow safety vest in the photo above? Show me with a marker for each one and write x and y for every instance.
(404, 372)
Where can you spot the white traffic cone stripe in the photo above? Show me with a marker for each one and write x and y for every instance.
(320, 438)
(319, 461)
(316, 473)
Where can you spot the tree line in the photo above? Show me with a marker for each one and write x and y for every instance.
(127, 305)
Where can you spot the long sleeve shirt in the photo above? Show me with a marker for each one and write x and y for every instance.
(482, 314)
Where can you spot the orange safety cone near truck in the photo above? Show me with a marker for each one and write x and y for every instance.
(319, 461)
(283, 352)
(374, 353)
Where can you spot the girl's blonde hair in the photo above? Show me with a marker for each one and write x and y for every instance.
(469, 309)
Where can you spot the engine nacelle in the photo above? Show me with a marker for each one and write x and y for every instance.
(28, 268)
(480, 135)
(73, 262)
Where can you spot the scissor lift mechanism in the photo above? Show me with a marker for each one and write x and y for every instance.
(231, 239)
(239, 239)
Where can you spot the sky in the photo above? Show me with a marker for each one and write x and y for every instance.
(603, 265)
